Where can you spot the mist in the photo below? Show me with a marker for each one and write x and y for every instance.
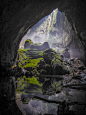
(53, 28)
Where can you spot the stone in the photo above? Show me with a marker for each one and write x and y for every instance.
(59, 70)
(48, 55)
(27, 44)
(42, 71)
(81, 67)
(66, 53)
(46, 85)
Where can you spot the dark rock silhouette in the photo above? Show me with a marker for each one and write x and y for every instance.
(42, 47)
(46, 85)
(66, 53)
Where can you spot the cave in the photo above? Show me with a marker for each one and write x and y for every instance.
(17, 18)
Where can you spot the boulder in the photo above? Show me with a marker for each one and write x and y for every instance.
(46, 85)
(42, 71)
(17, 71)
(59, 69)
(66, 53)
(48, 55)
(44, 68)
(41, 64)
(27, 44)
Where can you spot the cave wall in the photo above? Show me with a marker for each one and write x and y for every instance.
(19, 16)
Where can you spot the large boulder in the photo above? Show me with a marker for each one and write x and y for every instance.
(27, 44)
(43, 68)
(59, 69)
(48, 55)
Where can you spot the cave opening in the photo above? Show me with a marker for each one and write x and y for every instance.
(57, 31)
(54, 29)
(45, 81)
(46, 70)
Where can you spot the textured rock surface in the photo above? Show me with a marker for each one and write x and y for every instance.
(18, 17)
(53, 28)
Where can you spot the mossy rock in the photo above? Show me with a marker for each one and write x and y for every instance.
(59, 68)
(42, 71)
(49, 55)
(24, 83)
(27, 44)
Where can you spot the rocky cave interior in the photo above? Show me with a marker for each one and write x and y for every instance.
(65, 79)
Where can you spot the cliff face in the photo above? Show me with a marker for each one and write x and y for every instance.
(53, 28)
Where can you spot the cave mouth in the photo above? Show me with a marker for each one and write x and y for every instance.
(48, 89)
(54, 29)
(57, 31)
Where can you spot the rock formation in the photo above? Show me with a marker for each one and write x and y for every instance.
(19, 16)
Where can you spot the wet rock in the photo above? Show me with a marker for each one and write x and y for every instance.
(59, 91)
(46, 85)
(79, 76)
(28, 74)
(27, 44)
(74, 81)
(24, 98)
(81, 67)
(63, 108)
(29, 68)
(48, 55)
(41, 65)
(17, 71)
(62, 56)
(42, 71)
(59, 70)
(72, 59)
(83, 80)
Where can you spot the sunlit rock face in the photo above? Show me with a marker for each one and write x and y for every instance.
(54, 28)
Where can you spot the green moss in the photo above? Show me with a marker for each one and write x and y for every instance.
(33, 80)
(32, 63)
(13, 67)
(24, 82)
(62, 51)
(29, 58)
(29, 41)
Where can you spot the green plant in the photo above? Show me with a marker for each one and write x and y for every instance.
(29, 41)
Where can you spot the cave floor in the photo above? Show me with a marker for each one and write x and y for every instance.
(76, 97)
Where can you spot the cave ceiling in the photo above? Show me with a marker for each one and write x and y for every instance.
(19, 16)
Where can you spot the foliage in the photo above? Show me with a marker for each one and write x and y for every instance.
(32, 62)
(29, 41)
(29, 58)
(32, 80)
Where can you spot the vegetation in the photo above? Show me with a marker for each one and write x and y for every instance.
(32, 63)
(29, 41)
(29, 58)
(24, 83)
